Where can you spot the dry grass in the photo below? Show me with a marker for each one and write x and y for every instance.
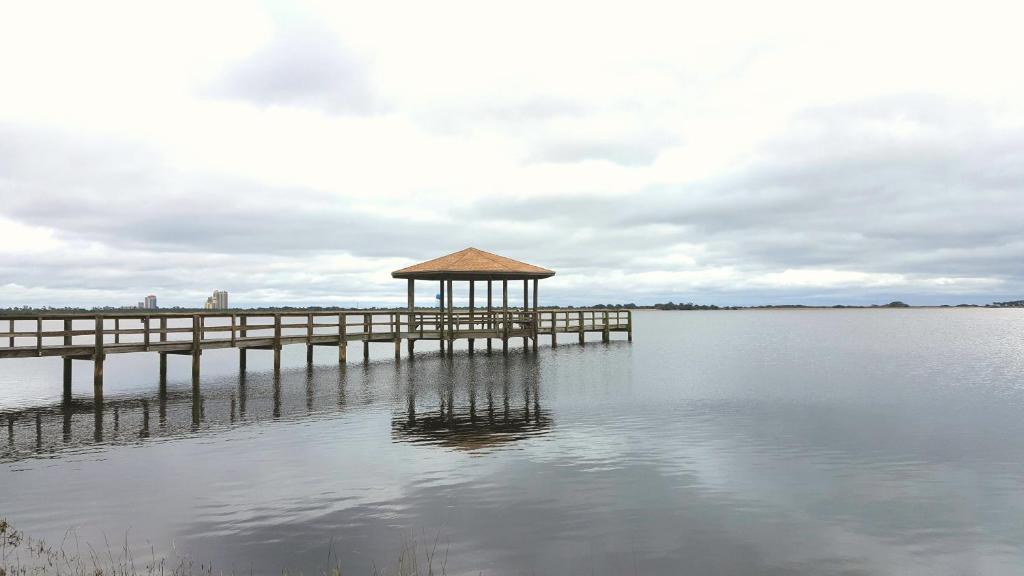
(21, 555)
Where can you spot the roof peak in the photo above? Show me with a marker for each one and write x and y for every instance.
(472, 263)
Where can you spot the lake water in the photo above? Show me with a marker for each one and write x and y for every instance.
(731, 442)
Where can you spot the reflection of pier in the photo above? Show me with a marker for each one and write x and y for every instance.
(82, 424)
(463, 402)
(474, 413)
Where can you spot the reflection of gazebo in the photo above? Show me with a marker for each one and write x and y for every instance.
(472, 265)
(463, 432)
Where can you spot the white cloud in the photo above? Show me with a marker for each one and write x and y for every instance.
(735, 152)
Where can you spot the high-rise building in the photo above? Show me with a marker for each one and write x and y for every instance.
(219, 300)
(150, 302)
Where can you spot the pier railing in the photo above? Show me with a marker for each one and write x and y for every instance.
(83, 334)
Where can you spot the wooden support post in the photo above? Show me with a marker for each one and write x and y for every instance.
(163, 355)
(490, 314)
(526, 312)
(536, 317)
(396, 330)
(242, 332)
(197, 350)
(309, 339)
(117, 330)
(451, 319)
(10, 330)
(410, 345)
(582, 334)
(67, 361)
(605, 333)
(554, 328)
(342, 341)
(277, 343)
(504, 316)
(472, 307)
(97, 357)
(145, 332)
(367, 330)
(39, 336)
(440, 317)
(629, 324)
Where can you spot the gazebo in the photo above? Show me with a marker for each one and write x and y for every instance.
(472, 265)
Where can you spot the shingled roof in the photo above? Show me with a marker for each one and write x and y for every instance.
(472, 264)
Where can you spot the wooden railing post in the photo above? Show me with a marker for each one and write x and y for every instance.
(396, 324)
(10, 329)
(309, 339)
(580, 327)
(197, 350)
(554, 328)
(605, 333)
(97, 357)
(490, 314)
(629, 324)
(68, 323)
(39, 336)
(342, 340)
(163, 355)
(411, 303)
(145, 332)
(277, 343)
(536, 315)
(504, 316)
(451, 318)
(440, 316)
(472, 310)
(243, 321)
(367, 330)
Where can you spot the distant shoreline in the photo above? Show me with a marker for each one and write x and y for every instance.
(666, 307)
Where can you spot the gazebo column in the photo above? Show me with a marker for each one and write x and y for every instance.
(490, 314)
(526, 309)
(412, 314)
(504, 316)
(440, 316)
(472, 300)
(451, 320)
(536, 317)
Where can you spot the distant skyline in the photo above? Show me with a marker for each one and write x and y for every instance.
(296, 153)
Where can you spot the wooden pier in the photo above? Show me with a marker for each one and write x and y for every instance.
(92, 337)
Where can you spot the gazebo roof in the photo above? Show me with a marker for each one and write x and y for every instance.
(472, 264)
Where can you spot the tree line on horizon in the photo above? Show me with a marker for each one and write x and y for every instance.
(628, 306)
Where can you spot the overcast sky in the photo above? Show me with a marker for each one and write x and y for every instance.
(715, 152)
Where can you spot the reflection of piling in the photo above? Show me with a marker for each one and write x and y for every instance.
(97, 422)
(66, 423)
(144, 433)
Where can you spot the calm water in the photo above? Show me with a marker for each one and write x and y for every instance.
(775, 442)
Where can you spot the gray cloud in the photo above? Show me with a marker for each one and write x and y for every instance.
(943, 201)
(634, 151)
(937, 197)
(303, 66)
